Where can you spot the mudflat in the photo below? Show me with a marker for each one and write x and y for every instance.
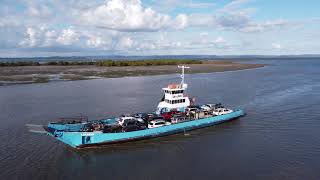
(46, 73)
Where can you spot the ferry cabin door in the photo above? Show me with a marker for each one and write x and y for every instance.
(86, 139)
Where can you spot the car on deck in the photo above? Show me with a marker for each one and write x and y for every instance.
(157, 123)
(221, 111)
(133, 125)
(168, 115)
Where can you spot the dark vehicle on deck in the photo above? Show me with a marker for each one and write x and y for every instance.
(133, 126)
(112, 129)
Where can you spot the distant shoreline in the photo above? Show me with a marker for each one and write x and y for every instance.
(109, 63)
(46, 73)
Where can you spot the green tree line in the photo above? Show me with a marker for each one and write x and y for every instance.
(157, 62)
(147, 62)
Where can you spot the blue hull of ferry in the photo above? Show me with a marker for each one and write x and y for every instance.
(87, 139)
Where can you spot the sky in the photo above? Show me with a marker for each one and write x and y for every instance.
(31, 28)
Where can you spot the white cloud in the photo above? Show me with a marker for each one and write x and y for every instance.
(68, 36)
(40, 10)
(192, 4)
(125, 15)
(130, 16)
(134, 26)
(219, 40)
(277, 46)
(230, 17)
(9, 21)
(125, 43)
(171, 5)
(95, 42)
(43, 37)
(50, 36)
(232, 20)
(201, 20)
(235, 4)
(31, 38)
(181, 21)
(264, 26)
(206, 41)
(233, 17)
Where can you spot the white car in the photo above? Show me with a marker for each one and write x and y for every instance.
(122, 119)
(157, 123)
(207, 107)
(221, 111)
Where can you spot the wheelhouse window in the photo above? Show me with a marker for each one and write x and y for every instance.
(176, 92)
(175, 101)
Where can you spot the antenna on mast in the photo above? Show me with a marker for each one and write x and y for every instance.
(182, 74)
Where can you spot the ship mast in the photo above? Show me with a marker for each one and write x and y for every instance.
(182, 74)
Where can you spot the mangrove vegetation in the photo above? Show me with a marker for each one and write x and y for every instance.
(108, 63)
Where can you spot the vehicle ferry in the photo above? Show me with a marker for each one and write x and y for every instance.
(175, 113)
